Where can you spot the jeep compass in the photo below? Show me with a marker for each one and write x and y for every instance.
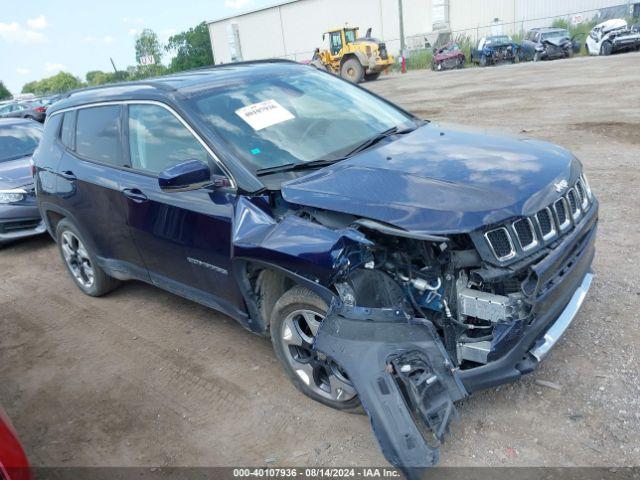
(394, 263)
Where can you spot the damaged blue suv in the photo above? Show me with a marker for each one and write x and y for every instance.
(394, 264)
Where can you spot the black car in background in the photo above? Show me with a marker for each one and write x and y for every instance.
(549, 44)
(19, 214)
(32, 110)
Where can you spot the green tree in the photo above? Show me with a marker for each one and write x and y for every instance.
(30, 87)
(96, 77)
(147, 44)
(59, 83)
(192, 49)
(4, 92)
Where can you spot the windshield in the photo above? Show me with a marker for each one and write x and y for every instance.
(18, 141)
(500, 40)
(555, 34)
(298, 117)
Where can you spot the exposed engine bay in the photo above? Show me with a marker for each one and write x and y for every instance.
(440, 280)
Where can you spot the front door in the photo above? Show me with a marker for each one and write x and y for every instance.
(183, 237)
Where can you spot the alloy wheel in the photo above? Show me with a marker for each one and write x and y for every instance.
(319, 373)
(77, 258)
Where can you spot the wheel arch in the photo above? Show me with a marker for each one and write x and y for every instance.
(263, 283)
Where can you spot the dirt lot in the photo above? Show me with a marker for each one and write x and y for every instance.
(142, 377)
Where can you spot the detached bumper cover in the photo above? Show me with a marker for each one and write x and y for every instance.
(404, 378)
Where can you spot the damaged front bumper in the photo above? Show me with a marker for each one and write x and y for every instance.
(405, 378)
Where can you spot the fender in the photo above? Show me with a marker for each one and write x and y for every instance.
(308, 253)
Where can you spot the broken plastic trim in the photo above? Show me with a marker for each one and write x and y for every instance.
(405, 379)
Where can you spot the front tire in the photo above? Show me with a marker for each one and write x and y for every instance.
(606, 48)
(369, 77)
(352, 70)
(81, 262)
(295, 320)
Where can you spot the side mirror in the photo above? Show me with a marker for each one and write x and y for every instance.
(189, 175)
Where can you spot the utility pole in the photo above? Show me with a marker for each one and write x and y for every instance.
(402, 44)
(114, 65)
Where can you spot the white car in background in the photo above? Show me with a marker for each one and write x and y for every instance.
(612, 36)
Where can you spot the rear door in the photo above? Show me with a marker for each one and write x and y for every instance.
(184, 237)
(90, 182)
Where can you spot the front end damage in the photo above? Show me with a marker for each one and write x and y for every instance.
(418, 322)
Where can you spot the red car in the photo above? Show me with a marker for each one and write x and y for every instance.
(13, 461)
(448, 57)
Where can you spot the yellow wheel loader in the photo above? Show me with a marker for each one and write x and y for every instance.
(355, 59)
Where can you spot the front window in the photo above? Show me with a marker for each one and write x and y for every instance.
(555, 34)
(299, 116)
(158, 140)
(17, 141)
(499, 40)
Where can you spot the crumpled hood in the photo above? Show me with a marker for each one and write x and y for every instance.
(557, 41)
(15, 173)
(437, 180)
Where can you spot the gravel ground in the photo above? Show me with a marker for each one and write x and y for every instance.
(142, 377)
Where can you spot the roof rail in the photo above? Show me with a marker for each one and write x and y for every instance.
(231, 64)
(104, 86)
(157, 81)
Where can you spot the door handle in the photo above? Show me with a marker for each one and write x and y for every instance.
(135, 194)
(68, 175)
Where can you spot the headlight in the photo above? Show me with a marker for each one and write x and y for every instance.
(12, 196)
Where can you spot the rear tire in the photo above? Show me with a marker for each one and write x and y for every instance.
(81, 262)
(369, 77)
(352, 70)
(295, 320)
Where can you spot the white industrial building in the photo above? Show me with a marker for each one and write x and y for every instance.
(293, 29)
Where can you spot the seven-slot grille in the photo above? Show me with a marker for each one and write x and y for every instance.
(550, 220)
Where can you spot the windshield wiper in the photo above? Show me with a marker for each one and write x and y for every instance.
(378, 138)
(291, 167)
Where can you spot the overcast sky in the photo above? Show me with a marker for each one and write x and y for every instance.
(38, 38)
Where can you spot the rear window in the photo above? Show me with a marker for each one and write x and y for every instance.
(98, 134)
(66, 134)
(17, 141)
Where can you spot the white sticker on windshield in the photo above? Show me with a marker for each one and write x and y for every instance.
(264, 114)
